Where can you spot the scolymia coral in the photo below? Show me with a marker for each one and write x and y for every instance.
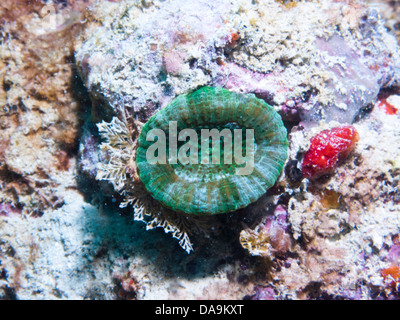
(211, 151)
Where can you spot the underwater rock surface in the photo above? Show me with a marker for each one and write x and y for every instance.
(68, 148)
(311, 61)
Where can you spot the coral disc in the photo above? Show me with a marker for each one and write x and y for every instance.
(201, 188)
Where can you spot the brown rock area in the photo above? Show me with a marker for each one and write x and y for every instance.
(39, 120)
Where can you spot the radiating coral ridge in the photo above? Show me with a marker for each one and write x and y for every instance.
(212, 186)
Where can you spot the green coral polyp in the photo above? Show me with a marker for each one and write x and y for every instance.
(205, 189)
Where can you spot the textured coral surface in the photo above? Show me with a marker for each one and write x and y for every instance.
(328, 148)
(201, 189)
(79, 78)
